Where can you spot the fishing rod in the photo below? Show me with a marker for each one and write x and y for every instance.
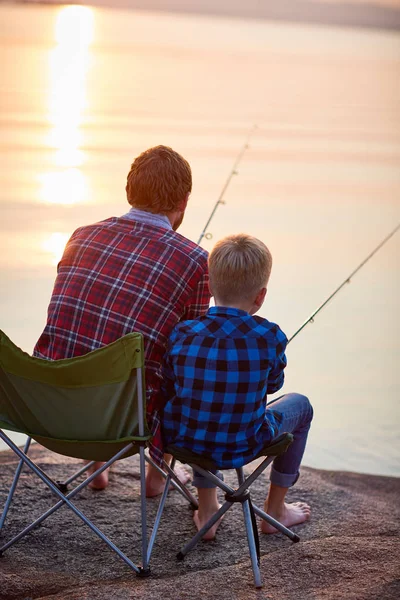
(233, 172)
(347, 280)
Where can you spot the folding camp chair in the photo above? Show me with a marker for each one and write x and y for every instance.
(90, 407)
(241, 494)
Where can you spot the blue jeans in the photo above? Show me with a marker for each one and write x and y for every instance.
(296, 414)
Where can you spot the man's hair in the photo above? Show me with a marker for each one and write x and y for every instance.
(159, 180)
(239, 266)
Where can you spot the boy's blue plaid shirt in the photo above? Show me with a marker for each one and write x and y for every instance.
(217, 373)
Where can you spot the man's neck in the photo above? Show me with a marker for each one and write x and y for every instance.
(143, 216)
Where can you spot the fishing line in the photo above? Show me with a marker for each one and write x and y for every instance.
(220, 200)
(233, 172)
(347, 280)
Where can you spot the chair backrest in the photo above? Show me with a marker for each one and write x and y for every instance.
(98, 397)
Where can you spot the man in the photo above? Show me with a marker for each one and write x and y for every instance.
(131, 273)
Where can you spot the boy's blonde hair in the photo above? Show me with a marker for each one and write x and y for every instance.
(239, 266)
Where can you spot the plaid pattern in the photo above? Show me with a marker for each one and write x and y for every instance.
(217, 373)
(119, 276)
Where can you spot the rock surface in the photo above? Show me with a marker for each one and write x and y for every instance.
(350, 549)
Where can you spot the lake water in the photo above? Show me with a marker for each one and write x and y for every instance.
(84, 90)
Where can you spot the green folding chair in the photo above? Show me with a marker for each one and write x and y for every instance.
(90, 407)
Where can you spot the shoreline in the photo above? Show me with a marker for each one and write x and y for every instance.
(346, 14)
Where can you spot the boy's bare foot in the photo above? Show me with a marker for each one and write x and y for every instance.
(292, 514)
(101, 481)
(155, 481)
(201, 520)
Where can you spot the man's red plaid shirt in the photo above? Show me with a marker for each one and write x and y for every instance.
(123, 275)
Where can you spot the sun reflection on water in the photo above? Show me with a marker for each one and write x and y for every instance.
(69, 63)
(55, 245)
(64, 187)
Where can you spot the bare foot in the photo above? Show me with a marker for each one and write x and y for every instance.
(200, 521)
(293, 514)
(155, 481)
(101, 481)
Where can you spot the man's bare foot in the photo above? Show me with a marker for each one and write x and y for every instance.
(155, 481)
(101, 481)
(201, 520)
(293, 514)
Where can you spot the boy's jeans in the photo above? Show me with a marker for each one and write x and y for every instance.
(296, 414)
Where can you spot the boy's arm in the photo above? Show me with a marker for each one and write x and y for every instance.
(199, 301)
(276, 375)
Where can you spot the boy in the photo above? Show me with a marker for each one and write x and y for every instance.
(217, 373)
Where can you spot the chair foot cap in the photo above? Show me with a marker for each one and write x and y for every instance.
(143, 572)
(180, 556)
(295, 539)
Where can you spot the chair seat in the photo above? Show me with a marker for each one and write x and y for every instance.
(277, 447)
(101, 450)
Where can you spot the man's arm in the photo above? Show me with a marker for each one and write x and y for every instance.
(199, 301)
(168, 378)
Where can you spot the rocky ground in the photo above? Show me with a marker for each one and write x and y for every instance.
(350, 549)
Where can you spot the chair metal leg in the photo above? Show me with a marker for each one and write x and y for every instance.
(51, 510)
(238, 496)
(252, 544)
(174, 481)
(226, 488)
(225, 507)
(14, 483)
(77, 474)
(257, 472)
(160, 511)
(181, 487)
(213, 478)
(190, 545)
(243, 485)
(65, 500)
(145, 570)
(253, 549)
(288, 532)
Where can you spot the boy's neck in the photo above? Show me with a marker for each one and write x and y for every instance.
(246, 306)
(249, 306)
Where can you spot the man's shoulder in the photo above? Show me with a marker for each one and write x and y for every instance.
(187, 246)
(174, 239)
(86, 230)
